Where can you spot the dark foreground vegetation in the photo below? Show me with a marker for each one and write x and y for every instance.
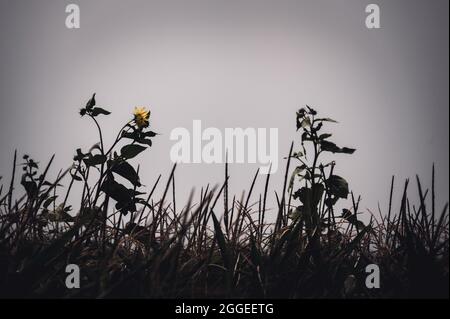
(130, 244)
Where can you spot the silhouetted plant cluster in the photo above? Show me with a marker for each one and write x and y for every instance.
(143, 246)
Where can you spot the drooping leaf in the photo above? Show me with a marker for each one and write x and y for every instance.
(149, 134)
(337, 186)
(76, 177)
(352, 219)
(116, 191)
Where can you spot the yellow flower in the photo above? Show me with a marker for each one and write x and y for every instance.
(141, 116)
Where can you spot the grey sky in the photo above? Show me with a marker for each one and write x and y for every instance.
(249, 63)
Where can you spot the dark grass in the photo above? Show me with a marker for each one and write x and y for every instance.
(161, 249)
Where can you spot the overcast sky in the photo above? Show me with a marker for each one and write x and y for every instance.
(248, 63)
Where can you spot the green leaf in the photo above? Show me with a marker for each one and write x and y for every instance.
(95, 160)
(131, 150)
(337, 186)
(126, 171)
(98, 110)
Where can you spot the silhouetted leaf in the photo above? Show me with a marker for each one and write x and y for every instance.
(337, 186)
(311, 110)
(331, 147)
(296, 172)
(131, 135)
(295, 214)
(30, 186)
(306, 122)
(150, 134)
(76, 177)
(306, 136)
(126, 207)
(305, 194)
(145, 141)
(352, 219)
(79, 155)
(91, 103)
(325, 120)
(222, 243)
(126, 171)
(98, 110)
(324, 136)
(331, 201)
(95, 160)
(130, 151)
